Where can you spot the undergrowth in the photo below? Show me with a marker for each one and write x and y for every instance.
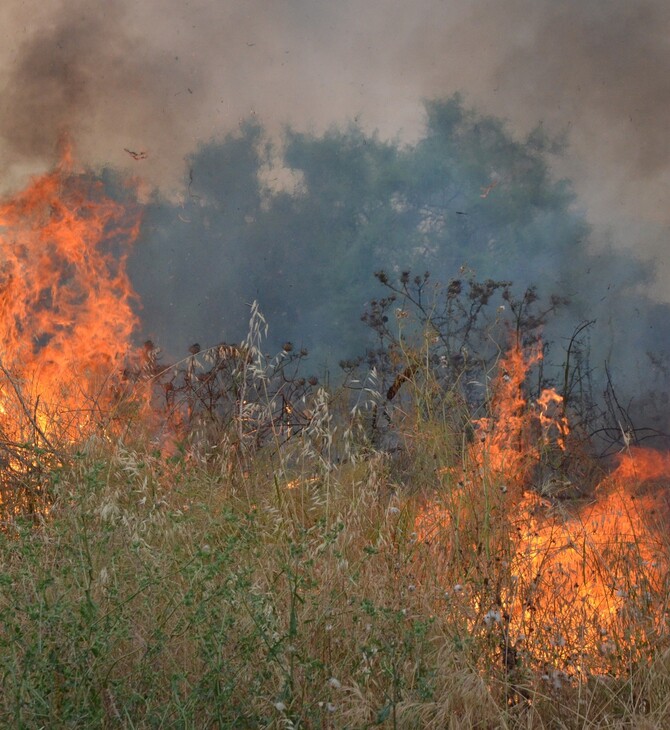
(341, 571)
(166, 591)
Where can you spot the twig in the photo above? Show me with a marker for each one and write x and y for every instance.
(26, 410)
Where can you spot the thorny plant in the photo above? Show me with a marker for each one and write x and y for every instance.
(235, 399)
(455, 334)
(227, 399)
(233, 391)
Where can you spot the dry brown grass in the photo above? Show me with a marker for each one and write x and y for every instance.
(293, 589)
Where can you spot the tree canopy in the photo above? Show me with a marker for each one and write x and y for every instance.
(302, 226)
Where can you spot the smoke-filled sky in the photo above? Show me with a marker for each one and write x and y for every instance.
(161, 76)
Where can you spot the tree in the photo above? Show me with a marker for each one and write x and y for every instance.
(465, 193)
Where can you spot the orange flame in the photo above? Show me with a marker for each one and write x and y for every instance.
(578, 584)
(506, 447)
(65, 301)
(642, 464)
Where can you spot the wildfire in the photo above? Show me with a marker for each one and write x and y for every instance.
(513, 439)
(65, 306)
(642, 464)
(578, 583)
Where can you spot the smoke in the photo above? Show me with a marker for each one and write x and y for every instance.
(159, 78)
(90, 70)
(598, 71)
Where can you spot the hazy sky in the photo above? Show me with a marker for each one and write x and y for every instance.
(163, 75)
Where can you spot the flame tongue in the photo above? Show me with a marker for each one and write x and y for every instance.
(581, 585)
(65, 314)
(505, 446)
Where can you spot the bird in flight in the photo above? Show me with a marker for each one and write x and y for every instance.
(136, 155)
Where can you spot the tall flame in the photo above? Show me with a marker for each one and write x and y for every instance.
(578, 584)
(65, 302)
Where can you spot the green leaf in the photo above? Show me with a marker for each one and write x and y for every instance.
(384, 713)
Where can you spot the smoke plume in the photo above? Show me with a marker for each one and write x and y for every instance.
(140, 85)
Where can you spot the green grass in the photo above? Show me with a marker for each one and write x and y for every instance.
(290, 591)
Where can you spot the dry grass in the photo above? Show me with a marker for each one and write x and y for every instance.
(293, 591)
(311, 579)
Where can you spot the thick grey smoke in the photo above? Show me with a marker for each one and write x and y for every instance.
(598, 70)
(158, 77)
(91, 70)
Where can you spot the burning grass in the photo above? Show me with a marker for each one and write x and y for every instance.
(165, 592)
(414, 590)
(271, 563)
(65, 323)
